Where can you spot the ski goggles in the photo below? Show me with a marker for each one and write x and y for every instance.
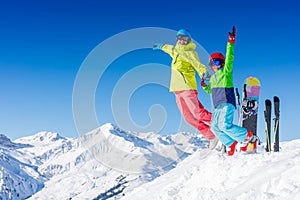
(183, 37)
(215, 62)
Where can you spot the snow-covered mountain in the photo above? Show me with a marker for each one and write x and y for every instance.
(18, 179)
(109, 163)
(102, 163)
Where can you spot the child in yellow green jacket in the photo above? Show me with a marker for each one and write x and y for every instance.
(185, 64)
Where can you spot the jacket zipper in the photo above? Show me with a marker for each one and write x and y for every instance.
(176, 59)
(183, 77)
(179, 72)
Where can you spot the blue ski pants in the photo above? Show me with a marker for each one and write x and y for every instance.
(222, 125)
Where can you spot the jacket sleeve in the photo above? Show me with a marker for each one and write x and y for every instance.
(196, 63)
(169, 49)
(229, 57)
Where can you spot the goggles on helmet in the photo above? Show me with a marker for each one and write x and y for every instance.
(215, 62)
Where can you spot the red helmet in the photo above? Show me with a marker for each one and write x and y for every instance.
(217, 55)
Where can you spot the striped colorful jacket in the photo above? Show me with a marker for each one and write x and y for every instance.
(221, 83)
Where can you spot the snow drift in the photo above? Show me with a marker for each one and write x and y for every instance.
(211, 175)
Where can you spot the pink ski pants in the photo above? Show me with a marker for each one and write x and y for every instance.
(193, 112)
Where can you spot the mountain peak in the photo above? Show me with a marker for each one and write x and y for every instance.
(43, 137)
(109, 126)
(47, 136)
(5, 141)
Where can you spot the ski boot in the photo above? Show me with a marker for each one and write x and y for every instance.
(213, 143)
(250, 143)
(231, 149)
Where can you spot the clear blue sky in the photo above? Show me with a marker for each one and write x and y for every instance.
(44, 43)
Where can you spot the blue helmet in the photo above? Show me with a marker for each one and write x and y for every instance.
(184, 32)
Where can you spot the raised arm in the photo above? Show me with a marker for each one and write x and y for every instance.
(230, 50)
(169, 49)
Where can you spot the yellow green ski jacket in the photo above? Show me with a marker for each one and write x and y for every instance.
(185, 61)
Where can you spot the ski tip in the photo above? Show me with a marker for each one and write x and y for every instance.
(268, 101)
(276, 99)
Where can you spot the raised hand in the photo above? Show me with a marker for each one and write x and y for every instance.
(231, 35)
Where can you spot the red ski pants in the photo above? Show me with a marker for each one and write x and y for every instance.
(193, 112)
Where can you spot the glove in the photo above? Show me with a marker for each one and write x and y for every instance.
(157, 46)
(205, 79)
(231, 36)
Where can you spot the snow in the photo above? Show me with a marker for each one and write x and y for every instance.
(109, 163)
(211, 175)
(18, 180)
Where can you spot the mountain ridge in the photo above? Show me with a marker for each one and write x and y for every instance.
(97, 160)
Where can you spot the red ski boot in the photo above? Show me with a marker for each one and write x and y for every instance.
(250, 143)
(232, 149)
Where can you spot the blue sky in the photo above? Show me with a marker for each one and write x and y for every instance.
(43, 46)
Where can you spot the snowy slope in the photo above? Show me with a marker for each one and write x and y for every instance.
(104, 162)
(211, 175)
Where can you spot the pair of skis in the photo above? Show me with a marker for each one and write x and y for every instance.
(267, 114)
